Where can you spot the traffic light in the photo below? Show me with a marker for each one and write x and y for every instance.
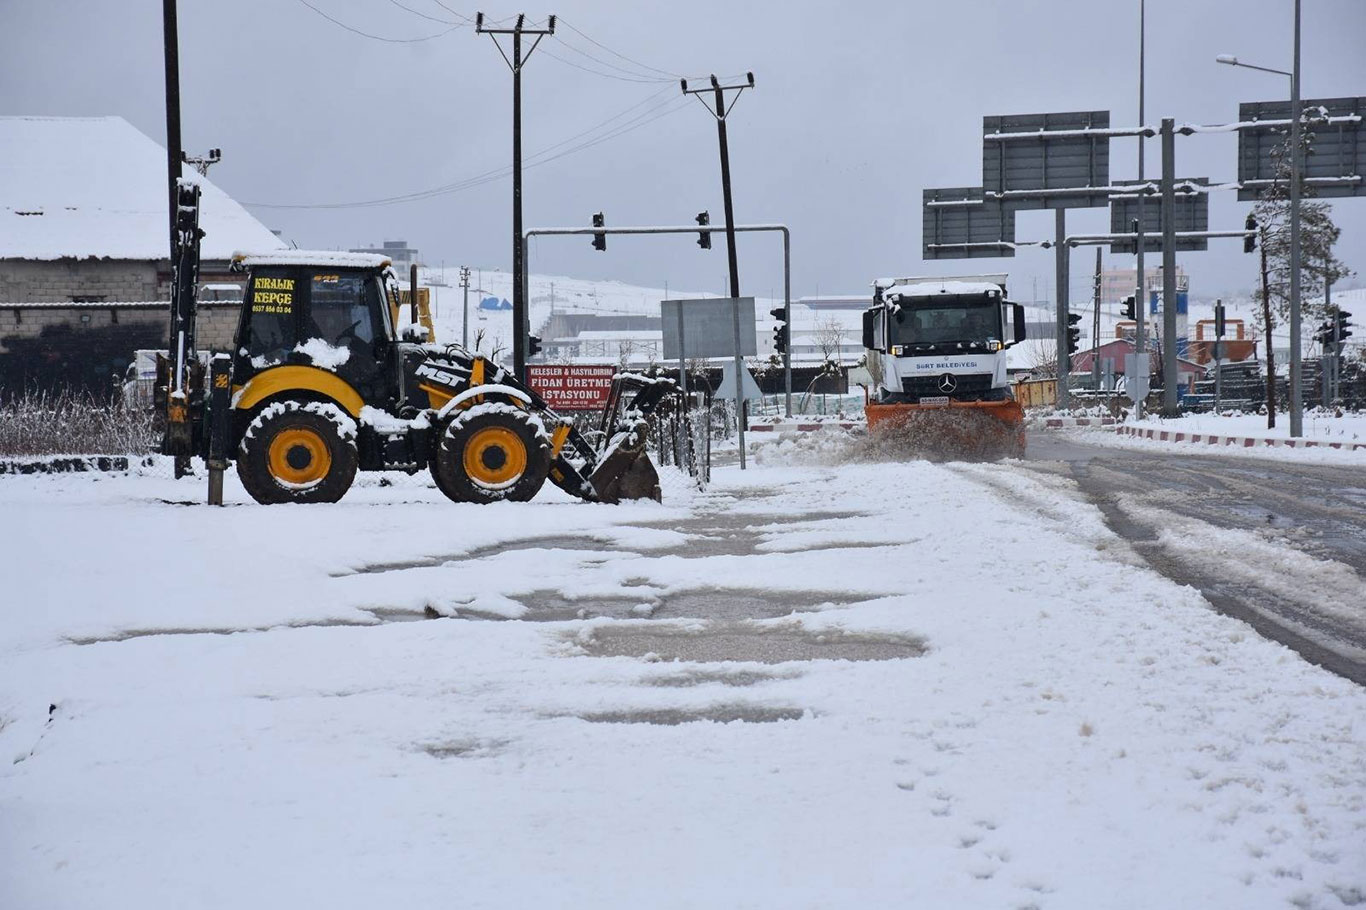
(1129, 309)
(704, 237)
(1324, 335)
(1219, 321)
(1073, 332)
(599, 239)
(781, 336)
(533, 345)
(1343, 332)
(1250, 241)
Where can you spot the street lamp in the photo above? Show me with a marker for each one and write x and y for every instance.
(1296, 402)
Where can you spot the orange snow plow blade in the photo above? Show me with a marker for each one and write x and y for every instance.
(957, 431)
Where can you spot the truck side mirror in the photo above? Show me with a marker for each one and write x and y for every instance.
(1018, 317)
(869, 321)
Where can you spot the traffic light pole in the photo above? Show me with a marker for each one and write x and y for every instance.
(1062, 262)
(173, 150)
(520, 322)
(1169, 369)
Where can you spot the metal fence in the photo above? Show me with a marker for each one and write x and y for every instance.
(43, 432)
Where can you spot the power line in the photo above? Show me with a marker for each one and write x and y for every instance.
(416, 12)
(651, 80)
(541, 157)
(364, 34)
(591, 40)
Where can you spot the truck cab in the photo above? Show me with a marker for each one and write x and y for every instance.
(940, 340)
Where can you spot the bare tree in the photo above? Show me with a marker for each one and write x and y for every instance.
(829, 337)
(1319, 265)
(1042, 356)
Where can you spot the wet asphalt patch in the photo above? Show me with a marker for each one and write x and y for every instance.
(719, 714)
(743, 642)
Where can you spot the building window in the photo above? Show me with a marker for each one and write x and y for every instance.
(114, 316)
(91, 298)
(85, 318)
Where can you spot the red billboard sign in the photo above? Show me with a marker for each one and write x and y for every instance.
(572, 387)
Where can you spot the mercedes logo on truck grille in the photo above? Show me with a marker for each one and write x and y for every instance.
(947, 383)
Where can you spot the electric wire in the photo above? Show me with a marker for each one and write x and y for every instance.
(562, 21)
(365, 34)
(644, 118)
(606, 75)
(417, 12)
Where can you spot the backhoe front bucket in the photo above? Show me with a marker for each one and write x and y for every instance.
(627, 472)
(958, 431)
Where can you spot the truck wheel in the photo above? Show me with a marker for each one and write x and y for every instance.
(490, 453)
(298, 452)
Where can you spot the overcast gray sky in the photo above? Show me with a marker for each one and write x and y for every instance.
(858, 107)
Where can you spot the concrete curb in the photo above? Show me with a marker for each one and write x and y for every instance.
(1054, 423)
(1245, 442)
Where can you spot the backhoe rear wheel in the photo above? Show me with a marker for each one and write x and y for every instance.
(298, 452)
(491, 453)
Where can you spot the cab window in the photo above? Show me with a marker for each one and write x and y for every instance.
(342, 309)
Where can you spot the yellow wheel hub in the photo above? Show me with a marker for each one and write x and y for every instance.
(495, 457)
(299, 457)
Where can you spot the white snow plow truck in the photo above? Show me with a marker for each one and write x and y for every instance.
(936, 349)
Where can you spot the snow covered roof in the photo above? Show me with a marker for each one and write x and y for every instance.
(95, 187)
(333, 258)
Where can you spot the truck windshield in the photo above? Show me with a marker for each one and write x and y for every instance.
(972, 320)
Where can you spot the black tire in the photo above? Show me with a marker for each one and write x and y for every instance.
(490, 454)
(296, 451)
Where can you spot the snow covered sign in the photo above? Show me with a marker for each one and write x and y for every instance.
(1336, 165)
(1047, 161)
(577, 387)
(959, 223)
(1192, 215)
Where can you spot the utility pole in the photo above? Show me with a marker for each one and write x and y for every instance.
(1296, 379)
(1140, 310)
(1169, 369)
(174, 153)
(721, 112)
(465, 322)
(1062, 261)
(515, 63)
(1095, 328)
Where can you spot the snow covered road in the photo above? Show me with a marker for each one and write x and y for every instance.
(1277, 543)
(878, 685)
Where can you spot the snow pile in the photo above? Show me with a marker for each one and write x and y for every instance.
(323, 355)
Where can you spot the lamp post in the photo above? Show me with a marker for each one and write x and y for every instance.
(1296, 402)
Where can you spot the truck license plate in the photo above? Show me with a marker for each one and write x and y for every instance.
(935, 399)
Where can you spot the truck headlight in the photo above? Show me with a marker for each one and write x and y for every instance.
(993, 345)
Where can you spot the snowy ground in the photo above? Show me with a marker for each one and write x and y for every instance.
(1323, 426)
(1057, 725)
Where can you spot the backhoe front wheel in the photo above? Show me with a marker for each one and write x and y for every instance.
(298, 452)
(490, 453)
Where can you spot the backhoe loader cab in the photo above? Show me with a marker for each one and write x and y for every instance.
(324, 384)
